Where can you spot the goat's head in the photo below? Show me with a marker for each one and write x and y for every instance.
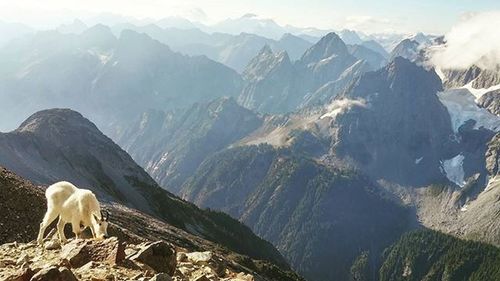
(101, 225)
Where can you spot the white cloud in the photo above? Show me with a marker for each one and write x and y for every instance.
(474, 40)
(340, 106)
(370, 24)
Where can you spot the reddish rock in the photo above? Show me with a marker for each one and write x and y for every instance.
(80, 252)
(54, 274)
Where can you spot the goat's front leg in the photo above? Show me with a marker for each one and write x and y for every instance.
(60, 230)
(49, 217)
(76, 229)
(92, 230)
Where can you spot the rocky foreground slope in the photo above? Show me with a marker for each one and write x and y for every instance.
(22, 207)
(112, 259)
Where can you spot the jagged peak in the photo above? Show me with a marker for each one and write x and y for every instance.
(328, 45)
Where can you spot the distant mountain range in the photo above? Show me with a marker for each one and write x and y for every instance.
(331, 147)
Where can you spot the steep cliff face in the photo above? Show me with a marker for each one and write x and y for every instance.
(403, 96)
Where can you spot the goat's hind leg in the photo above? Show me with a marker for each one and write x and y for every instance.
(49, 217)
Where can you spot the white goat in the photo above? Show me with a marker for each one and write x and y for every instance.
(75, 206)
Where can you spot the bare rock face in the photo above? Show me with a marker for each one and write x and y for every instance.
(80, 252)
(160, 256)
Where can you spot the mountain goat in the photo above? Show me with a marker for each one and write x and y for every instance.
(75, 206)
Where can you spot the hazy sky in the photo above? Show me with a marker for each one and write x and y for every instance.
(432, 16)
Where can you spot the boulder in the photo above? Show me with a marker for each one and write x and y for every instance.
(160, 256)
(79, 252)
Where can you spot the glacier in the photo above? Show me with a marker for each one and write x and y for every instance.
(462, 106)
(454, 169)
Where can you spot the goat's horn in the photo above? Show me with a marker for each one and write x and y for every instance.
(107, 215)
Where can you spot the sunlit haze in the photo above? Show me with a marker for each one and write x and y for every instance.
(369, 16)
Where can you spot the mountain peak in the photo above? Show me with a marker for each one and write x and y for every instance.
(56, 121)
(265, 62)
(329, 45)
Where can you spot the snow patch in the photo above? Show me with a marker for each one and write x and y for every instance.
(340, 106)
(418, 160)
(480, 92)
(454, 169)
(462, 107)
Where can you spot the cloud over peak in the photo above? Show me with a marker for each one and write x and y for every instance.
(474, 40)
